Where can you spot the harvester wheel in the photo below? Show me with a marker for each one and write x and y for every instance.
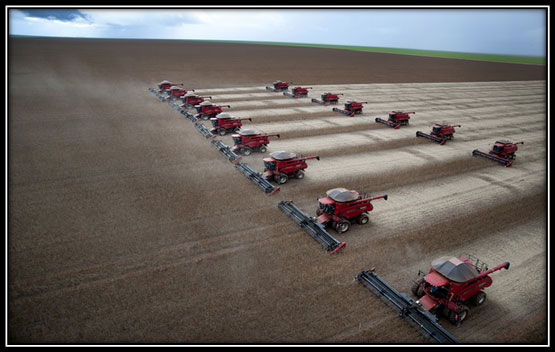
(300, 175)
(343, 226)
(416, 288)
(246, 151)
(458, 316)
(479, 298)
(222, 132)
(262, 149)
(282, 178)
(363, 219)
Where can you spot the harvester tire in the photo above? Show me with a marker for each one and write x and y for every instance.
(458, 316)
(262, 149)
(222, 132)
(342, 226)
(282, 178)
(416, 288)
(363, 219)
(300, 175)
(479, 298)
(246, 151)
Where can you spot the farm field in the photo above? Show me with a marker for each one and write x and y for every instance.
(127, 226)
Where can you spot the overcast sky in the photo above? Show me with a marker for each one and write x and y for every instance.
(513, 31)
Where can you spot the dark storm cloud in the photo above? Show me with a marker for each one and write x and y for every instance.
(66, 15)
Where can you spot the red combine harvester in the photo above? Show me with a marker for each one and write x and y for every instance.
(279, 86)
(224, 123)
(502, 152)
(166, 85)
(396, 119)
(340, 207)
(451, 284)
(297, 92)
(281, 166)
(191, 99)
(207, 110)
(351, 108)
(247, 141)
(176, 92)
(327, 98)
(441, 132)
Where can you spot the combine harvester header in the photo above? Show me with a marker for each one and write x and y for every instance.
(312, 226)
(204, 131)
(257, 178)
(424, 321)
(226, 151)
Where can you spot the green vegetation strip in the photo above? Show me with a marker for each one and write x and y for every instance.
(434, 53)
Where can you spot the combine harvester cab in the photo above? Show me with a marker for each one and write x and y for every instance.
(441, 132)
(297, 92)
(247, 141)
(340, 207)
(327, 98)
(451, 284)
(396, 119)
(351, 108)
(503, 152)
(310, 225)
(225, 123)
(413, 312)
(281, 166)
(206, 110)
(279, 86)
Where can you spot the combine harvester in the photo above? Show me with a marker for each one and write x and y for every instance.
(502, 152)
(297, 92)
(396, 119)
(191, 99)
(279, 86)
(327, 98)
(311, 225)
(281, 166)
(441, 132)
(337, 210)
(206, 110)
(176, 92)
(247, 141)
(340, 207)
(163, 87)
(351, 108)
(226, 151)
(451, 284)
(413, 312)
(224, 123)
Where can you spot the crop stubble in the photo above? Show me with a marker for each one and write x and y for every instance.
(126, 226)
